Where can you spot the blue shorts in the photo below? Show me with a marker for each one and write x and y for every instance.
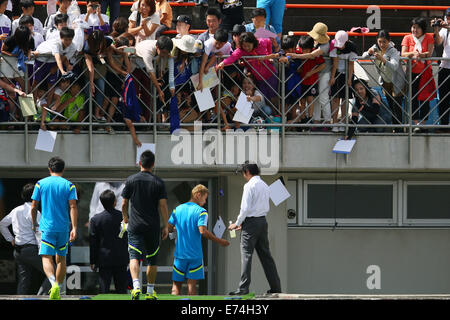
(54, 243)
(187, 269)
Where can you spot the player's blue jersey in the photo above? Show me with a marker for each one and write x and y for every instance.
(54, 194)
(187, 218)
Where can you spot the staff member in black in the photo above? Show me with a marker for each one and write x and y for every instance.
(252, 220)
(108, 252)
(146, 192)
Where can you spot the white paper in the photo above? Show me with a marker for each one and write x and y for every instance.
(55, 112)
(264, 33)
(144, 147)
(243, 118)
(210, 79)
(45, 140)
(204, 99)
(344, 146)
(278, 192)
(244, 106)
(219, 228)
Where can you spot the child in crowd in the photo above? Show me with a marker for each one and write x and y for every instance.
(47, 67)
(309, 71)
(144, 22)
(228, 106)
(54, 101)
(15, 49)
(27, 7)
(50, 23)
(5, 22)
(59, 21)
(114, 85)
(72, 103)
(213, 47)
(259, 21)
(120, 26)
(41, 103)
(257, 99)
(263, 70)
(165, 14)
(183, 26)
(344, 49)
(95, 18)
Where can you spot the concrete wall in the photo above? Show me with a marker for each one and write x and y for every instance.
(411, 261)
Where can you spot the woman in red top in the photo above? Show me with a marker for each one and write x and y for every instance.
(419, 45)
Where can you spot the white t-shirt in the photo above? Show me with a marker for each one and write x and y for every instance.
(38, 28)
(94, 21)
(444, 33)
(211, 49)
(153, 19)
(352, 56)
(5, 24)
(53, 47)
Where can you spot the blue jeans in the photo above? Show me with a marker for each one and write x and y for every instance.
(274, 11)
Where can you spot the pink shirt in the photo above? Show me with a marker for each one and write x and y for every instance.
(260, 69)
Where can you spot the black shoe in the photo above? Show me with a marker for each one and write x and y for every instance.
(272, 291)
(238, 293)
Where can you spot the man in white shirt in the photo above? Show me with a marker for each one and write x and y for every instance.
(25, 243)
(28, 10)
(252, 221)
(94, 18)
(442, 37)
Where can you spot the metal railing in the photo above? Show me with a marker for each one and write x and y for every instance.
(285, 109)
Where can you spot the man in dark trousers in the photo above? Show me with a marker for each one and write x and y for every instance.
(145, 193)
(252, 220)
(109, 252)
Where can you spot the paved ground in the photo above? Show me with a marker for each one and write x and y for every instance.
(284, 296)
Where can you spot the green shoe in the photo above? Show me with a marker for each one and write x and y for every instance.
(151, 296)
(135, 294)
(54, 292)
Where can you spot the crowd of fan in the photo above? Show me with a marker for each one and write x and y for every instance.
(49, 59)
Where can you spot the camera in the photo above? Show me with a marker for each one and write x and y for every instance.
(95, 6)
(437, 23)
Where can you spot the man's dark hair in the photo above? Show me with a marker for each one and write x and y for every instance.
(66, 33)
(56, 165)
(61, 18)
(107, 199)
(213, 12)
(24, 20)
(251, 168)
(221, 35)
(147, 159)
(164, 43)
(26, 4)
(259, 12)
(27, 192)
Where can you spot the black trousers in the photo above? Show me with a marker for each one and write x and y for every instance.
(106, 274)
(444, 95)
(28, 262)
(254, 236)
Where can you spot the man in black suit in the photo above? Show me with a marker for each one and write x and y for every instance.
(108, 252)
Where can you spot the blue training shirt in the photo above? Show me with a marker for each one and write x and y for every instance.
(187, 217)
(54, 194)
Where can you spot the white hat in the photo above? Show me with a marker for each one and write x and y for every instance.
(186, 43)
(340, 38)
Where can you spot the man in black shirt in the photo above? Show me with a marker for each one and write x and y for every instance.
(108, 252)
(146, 192)
(233, 13)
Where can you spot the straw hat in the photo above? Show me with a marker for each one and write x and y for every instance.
(186, 43)
(319, 33)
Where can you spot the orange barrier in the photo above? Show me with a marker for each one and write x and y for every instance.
(352, 34)
(364, 7)
(128, 3)
(302, 6)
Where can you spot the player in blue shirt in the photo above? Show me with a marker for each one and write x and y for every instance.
(57, 197)
(190, 221)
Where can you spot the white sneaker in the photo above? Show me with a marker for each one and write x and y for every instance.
(335, 129)
(341, 129)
